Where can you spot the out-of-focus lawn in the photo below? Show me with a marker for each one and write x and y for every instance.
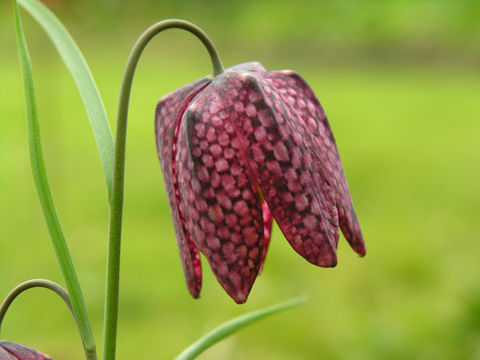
(409, 140)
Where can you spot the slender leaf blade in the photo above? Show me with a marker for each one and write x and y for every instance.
(83, 78)
(45, 195)
(233, 325)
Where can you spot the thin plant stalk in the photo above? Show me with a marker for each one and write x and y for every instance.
(116, 205)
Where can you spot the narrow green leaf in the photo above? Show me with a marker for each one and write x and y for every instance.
(233, 326)
(80, 71)
(45, 195)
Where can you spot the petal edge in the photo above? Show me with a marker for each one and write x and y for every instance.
(169, 111)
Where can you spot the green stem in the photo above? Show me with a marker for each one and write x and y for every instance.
(116, 205)
(45, 195)
(47, 284)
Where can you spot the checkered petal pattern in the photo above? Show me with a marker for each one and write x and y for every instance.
(241, 150)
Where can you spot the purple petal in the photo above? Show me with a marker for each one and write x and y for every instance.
(281, 163)
(305, 108)
(13, 351)
(169, 111)
(222, 206)
(5, 355)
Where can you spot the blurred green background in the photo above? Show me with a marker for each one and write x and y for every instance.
(400, 83)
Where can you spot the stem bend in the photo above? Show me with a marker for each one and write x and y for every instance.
(47, 284)
(116, 204)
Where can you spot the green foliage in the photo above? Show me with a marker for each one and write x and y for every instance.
(80, 72)
(44, 193)
(232, 326)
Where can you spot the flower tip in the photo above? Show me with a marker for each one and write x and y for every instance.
(361, 250)
(359, 246)
(326, 260)
(329, 263)
(240, 299)
(194, 290)
(239, 296)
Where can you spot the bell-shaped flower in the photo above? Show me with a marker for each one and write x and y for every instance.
(238, 150)
(13, 351)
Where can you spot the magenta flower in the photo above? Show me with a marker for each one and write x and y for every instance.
(14, 351)
(243, 148)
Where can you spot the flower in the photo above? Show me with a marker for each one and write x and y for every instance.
(236, 151)
(13, 351)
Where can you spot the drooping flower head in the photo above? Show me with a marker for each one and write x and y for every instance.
(13, 351)
(240, 150)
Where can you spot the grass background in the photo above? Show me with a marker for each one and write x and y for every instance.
(399, 81)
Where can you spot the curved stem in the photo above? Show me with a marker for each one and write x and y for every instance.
(47, 284)
(116, 205)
